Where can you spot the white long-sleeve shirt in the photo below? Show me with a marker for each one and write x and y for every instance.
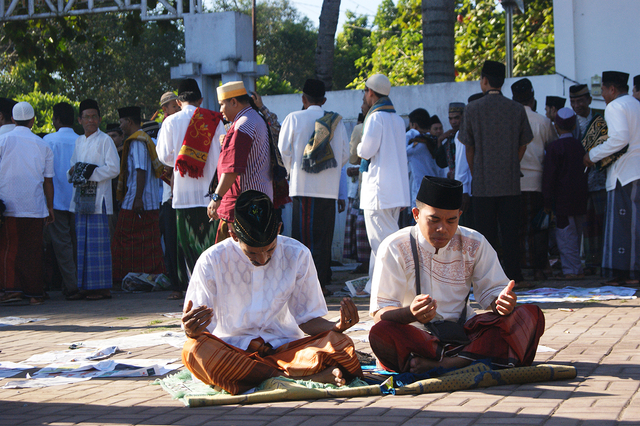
(100, 150)
(295, 132)
(188, 192)
(531, 163)
(467, 260)
(248, 301)
(462, 173)
(623, 122)
(386, 184)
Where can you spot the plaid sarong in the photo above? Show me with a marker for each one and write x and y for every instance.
(509, 341)
(356, 243)
(621, 254)
(94, 251)
(136, 245)
(217, 363)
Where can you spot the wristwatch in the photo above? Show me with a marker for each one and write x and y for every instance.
(215, 197)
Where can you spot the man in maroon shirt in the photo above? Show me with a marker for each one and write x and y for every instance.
(244, 161)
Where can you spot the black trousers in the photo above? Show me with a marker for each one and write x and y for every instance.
(312, 224)
(493, 214)
(169, 232)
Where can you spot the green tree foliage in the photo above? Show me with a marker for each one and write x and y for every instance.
(113, 58)
(480, 36)
(353, 43)
(42, 104)
(285, 40)
(397, 41)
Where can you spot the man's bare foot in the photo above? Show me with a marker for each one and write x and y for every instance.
(419, 365)
(331, 375)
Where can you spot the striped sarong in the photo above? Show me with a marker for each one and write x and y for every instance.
(621, 255)
(215, 362)
(356, 243)
(195, 234)
(94, 251)
(136, 245)
(509, 341)
(21, 256)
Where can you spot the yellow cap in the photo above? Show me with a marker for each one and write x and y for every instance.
(231, 90)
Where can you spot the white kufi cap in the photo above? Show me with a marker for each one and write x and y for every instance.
(379, 83)
(23, 111)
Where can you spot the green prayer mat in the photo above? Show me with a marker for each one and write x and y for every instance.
(194, 393)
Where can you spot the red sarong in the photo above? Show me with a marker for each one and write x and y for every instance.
(197, 142)
(217, 363)
(21, 256)
(136, 244)
(509, 341)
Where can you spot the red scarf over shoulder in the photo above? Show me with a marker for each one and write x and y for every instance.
(197, 142)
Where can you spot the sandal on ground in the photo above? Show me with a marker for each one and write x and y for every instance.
(76, 296)
(619, 281)
(11, 297)
(99, 296)
(35, 301)
(176, 295)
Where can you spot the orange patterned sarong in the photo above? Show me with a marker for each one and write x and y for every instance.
(215, 362)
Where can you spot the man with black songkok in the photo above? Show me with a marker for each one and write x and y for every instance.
(534, 243)
(552, 105)
(591, 130)
(242, 334)
(451, 260)
(620, 260)
(496, 131)
(136, 243)
(314, 147)
(446, 154)
(636, 87)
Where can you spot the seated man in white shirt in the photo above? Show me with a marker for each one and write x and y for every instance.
(451, 259)
(251, 300)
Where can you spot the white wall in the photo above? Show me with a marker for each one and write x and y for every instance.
(435, 98)
(592, 36)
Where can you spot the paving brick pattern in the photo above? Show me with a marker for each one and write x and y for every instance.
(600, 339)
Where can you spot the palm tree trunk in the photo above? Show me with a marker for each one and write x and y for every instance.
(326, 37)
(438, 43)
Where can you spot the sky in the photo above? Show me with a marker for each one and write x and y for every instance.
(312, 9)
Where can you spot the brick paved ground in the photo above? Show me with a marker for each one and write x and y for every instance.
(600, 339)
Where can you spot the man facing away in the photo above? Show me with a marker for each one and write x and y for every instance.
(496, 131)
(61, 233)
(136, 244)
(591, 127)
(620, 260)
(314, 147)
(193, 155)
(425, 273)
(385, 175)
(245, 159)
(26, 188)
(534, 243)
(94, 163)
(6, 123)
(242, 334)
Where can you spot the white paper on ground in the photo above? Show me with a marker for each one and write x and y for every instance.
(18, 320)
(10, 369)
(73, 355)
(43, 382)
(175, 339)
(542, 348)
(574, 294)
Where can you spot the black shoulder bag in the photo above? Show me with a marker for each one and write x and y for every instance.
(447, 332)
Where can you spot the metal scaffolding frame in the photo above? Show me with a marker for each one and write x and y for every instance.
(23, 10)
